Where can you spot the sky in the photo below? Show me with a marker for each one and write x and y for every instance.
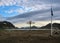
(19, 12)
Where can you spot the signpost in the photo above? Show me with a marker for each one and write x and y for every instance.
(30, 24)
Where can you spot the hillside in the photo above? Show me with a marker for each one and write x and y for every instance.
(48, 26)
(6, 25)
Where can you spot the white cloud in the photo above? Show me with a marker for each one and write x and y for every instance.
(40, 15)
(7, 2)
(18, 10)
(9, 11)
(34, 4)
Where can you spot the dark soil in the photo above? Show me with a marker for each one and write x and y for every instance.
(28, 37)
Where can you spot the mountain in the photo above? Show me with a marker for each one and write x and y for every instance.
(6, 25)
(33, 27)
(48, 26)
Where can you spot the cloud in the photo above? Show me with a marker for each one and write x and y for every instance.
(20, 10)
(34, 4)
(26, 2)
(39, 15)
(7, 2)
(31, 8)
(9, 11)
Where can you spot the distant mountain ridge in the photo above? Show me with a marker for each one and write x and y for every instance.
(6, 25)
(48, 26)
(54, 25)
